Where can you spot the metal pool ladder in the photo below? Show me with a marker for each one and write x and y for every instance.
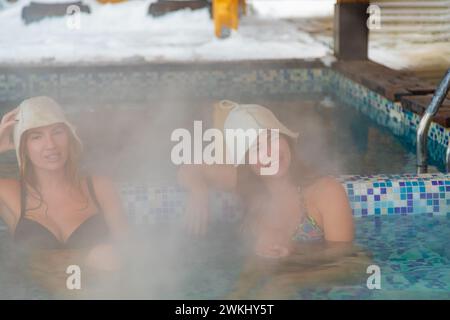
(424, 125)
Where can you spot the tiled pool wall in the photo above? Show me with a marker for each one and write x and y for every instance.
(390, 114)
(90, 86)
(368, 195)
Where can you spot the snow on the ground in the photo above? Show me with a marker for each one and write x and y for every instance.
(403, 55)
(124, 31)
(293, 8)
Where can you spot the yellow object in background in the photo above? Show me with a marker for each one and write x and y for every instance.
(226, 15)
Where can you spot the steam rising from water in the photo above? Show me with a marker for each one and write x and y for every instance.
(132, 144)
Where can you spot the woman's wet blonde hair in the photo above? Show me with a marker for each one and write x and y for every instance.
(72, 166)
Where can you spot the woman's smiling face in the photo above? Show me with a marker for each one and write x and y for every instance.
(48, 146)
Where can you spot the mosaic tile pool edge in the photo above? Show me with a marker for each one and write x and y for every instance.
(398, 194)
(368, 195)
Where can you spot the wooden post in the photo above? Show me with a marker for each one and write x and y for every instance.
(350, 29)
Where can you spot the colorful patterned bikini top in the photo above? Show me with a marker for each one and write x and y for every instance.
(308, 229)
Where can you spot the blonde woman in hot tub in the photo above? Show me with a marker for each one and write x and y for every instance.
(53, 212)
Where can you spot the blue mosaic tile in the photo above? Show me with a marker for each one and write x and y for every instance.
(169, 202)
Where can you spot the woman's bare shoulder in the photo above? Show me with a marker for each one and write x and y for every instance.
(327, 192)
(8, 188)
(326, 185)
(106, 191)
(104, 186)
(10, 201)
(101, 180)
(331, 201)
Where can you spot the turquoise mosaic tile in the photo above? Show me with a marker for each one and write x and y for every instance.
(405, 194)
(398, 194)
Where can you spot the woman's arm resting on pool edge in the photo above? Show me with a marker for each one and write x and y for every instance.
(332, 202)
(197, 180)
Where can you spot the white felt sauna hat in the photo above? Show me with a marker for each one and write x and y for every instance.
(252, 116)
(38, 112)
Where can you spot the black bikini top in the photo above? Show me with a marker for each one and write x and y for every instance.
(90, 232)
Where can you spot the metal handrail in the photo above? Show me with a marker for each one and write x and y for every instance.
(424, 125)
(447, 159)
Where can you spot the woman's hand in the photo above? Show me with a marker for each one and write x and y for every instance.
(268, 245)
(273, 251)
(197, 211)
(270, 242)
(6, 126)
